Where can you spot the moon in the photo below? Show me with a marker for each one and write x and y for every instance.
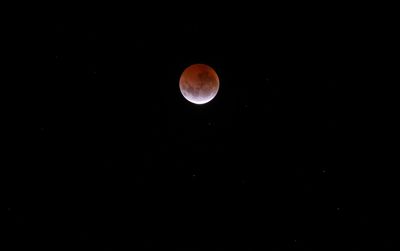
(199, 83)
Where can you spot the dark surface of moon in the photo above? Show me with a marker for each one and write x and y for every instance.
(199, 83)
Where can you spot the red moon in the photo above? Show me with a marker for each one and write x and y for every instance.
(199, 83)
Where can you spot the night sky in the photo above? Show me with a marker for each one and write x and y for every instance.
(110, 156)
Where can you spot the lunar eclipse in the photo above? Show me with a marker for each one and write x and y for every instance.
(199, 83)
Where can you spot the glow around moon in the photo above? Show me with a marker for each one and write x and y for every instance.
(199, 83)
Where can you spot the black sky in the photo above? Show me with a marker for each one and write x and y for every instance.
(114, 156)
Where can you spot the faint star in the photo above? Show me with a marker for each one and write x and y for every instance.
(323, 171)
